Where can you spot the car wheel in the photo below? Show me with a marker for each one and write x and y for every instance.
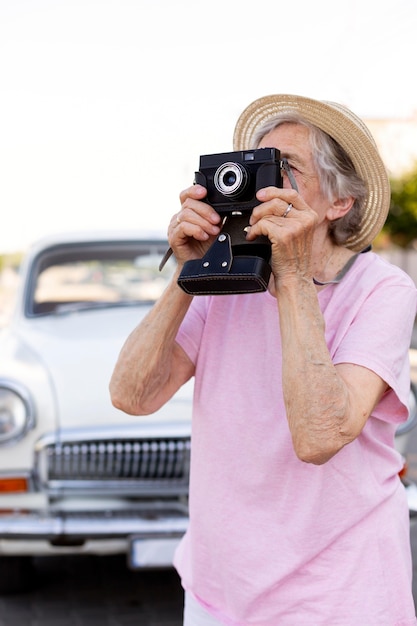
(16, 574)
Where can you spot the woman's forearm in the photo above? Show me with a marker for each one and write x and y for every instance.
(151, 366)
(316, 398)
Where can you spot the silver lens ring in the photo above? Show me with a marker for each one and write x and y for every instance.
(230, 179)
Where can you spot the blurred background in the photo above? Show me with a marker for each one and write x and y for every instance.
(105, 108)
(106, 105)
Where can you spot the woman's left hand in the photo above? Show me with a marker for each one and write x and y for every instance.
(289, 223)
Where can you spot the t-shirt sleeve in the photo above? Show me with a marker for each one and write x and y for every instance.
(191, 330)
(378, 338)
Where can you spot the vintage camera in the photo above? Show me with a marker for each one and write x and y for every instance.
(233, 178)
(232, 264)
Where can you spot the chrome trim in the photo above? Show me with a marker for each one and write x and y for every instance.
(131, 431)
(138, 462)
(54, 526)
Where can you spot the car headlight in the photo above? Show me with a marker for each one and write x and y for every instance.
(16, 411)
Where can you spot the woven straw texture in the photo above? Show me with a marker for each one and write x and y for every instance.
(345, 128)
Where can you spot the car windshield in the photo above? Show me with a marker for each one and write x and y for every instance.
(86, 277)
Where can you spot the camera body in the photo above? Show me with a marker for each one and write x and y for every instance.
(233, 265)
(233, 178)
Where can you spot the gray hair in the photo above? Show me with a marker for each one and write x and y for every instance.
(337, 175)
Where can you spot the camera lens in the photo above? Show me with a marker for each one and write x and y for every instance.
(230, 179)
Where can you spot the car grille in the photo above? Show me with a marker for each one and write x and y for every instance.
(148, 466)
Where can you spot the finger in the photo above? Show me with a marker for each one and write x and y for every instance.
(198, 212)
(195, 219)
(270, 193)
(195, 191)
(188, 230)
(277, 207)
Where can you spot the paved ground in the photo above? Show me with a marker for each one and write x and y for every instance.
(101, 591)
(95, 591)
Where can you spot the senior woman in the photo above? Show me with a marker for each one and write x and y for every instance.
(297, 515)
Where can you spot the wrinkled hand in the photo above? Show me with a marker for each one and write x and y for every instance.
(193, 229)
(291, 236)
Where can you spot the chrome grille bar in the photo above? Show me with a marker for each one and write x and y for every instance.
(122, 459)
(146, 465)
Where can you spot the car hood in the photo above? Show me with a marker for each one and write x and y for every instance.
(79, 351)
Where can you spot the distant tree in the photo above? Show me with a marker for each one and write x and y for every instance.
(401, 224)
(12, 259)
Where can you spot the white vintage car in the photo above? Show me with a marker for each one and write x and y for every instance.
(77, 475)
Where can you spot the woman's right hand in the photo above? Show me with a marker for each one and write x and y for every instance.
(193, 229)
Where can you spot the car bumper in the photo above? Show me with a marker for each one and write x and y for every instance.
(148, 537)
(67, 526)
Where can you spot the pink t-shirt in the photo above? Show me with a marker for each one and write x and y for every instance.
(274, 541)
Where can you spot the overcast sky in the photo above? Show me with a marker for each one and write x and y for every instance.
(106, 105)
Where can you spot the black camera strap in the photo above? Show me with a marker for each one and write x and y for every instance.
(165, 259)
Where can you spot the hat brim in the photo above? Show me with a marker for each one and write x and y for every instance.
(349, 131)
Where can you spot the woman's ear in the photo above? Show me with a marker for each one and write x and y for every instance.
(339, 208)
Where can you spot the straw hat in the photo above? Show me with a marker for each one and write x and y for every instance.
(345, 128)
